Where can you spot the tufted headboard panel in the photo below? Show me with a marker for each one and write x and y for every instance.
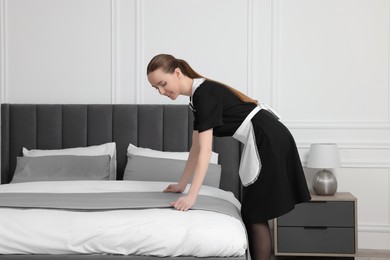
(160, 127)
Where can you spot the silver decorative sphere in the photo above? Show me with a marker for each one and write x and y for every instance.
(325, 183)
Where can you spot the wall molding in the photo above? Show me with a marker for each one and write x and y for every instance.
(274, 91)
(336, 125)
(115, 55)
(372, 228)
(363, 164)
(388, 67)
(353, 145)
(366, 164)
(250, 44)
(3, 48)
(138, 52)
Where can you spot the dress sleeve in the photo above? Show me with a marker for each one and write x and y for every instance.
(209, 110)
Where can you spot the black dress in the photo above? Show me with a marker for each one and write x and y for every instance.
(281, 183)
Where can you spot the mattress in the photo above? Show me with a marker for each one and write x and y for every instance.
(150, 230)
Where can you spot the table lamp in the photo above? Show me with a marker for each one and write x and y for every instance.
(324, 156)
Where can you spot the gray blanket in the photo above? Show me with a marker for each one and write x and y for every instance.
(111, 201)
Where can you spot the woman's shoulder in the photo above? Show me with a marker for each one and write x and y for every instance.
(209, 82)
(210, 86)
(211, 89)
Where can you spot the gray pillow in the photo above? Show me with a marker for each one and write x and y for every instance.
(142, 168)
(61, 168)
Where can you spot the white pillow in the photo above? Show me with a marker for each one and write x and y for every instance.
(134, 150)
(103, 149)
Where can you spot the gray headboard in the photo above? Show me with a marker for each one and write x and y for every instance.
(160, 127)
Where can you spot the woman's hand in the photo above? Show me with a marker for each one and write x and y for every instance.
(184, 203)
(174, 188)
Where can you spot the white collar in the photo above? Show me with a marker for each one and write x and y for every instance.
(196, 83)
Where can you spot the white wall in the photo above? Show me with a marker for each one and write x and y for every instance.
(322, 64)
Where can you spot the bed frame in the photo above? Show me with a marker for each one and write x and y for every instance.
(56, 126)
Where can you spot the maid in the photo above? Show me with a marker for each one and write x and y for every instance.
(270, 167)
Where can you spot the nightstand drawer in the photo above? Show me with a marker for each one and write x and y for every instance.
(320, 214)
(316, 240)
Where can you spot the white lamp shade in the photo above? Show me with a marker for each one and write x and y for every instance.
(323, 156)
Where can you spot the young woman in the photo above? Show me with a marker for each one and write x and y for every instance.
(270, 167)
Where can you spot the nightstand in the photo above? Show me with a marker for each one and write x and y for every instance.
(325, 226)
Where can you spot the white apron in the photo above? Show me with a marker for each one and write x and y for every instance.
(250, 164)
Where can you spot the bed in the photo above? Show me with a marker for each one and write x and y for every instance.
(114, 208)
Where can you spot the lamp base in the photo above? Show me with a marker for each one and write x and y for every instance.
(325, 183)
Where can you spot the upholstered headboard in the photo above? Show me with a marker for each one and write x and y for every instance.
(160, 127)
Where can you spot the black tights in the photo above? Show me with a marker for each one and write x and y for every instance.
(260, 244)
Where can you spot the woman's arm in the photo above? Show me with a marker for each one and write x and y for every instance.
(202, 145)
(189, 167)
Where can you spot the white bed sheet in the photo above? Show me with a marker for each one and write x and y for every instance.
(157, 232)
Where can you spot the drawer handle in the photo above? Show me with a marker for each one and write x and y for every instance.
(313, 227)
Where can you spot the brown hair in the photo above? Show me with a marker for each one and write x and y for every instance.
(168, 64)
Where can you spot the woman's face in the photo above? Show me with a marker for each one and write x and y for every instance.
(167, 84)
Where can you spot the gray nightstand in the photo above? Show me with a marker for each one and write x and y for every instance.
(325, 226)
